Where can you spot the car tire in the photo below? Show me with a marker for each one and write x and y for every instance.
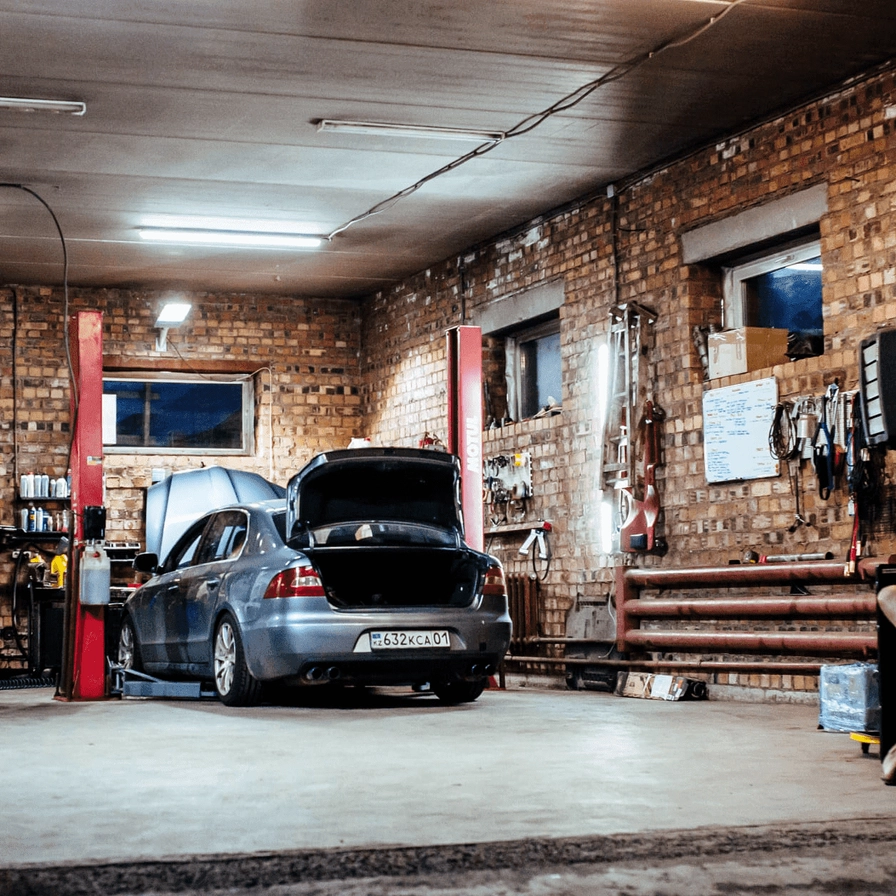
(233, 680)
(128, 647)
(455, 692)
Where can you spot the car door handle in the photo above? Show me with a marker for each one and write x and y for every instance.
(212, 583)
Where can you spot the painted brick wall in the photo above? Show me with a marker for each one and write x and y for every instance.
(305, 354)
(847, 141)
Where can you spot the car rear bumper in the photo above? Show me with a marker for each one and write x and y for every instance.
(311, 644)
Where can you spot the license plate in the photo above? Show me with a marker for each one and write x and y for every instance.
(405, 640)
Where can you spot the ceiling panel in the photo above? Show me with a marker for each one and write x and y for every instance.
(209, 108)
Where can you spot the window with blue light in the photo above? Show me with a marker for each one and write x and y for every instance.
(171, 416)
(782, 290)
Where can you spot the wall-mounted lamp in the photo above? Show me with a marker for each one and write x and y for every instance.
(173, 314)
(22, 104)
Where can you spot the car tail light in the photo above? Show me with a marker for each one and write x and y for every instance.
(299, 581)
(494, 583)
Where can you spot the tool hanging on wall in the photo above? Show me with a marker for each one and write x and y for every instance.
(630, 338)
(539, 536)
(830, 441)
(638, 530)
(790, 429)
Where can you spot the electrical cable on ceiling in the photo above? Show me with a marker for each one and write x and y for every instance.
(68, 354)
(533, 121)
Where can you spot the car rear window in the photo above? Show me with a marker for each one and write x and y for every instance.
(381, 492)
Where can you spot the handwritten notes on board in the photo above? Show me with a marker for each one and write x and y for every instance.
(736, 421)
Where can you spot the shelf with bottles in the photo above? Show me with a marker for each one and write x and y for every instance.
(35, 518)
(43, 487)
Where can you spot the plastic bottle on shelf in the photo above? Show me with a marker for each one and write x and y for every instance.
(44, 491)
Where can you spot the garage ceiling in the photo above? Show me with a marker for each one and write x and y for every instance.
(208, 108)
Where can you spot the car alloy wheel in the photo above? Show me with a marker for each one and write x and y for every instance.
(128, 651)
(233, 681)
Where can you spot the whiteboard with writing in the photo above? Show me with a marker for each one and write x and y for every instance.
(736, 423)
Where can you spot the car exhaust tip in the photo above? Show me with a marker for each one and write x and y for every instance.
(333, 673)
(489, 669)
(315, 673)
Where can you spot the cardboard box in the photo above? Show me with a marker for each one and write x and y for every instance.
(745, 349)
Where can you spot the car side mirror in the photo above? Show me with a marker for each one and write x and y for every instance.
(146, 562)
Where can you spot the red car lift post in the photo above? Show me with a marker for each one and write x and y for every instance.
(465, 424)
(84, 659)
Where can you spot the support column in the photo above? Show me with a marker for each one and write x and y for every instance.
(465, 424)
(84, 657)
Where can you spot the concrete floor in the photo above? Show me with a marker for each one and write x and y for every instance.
(305, 796)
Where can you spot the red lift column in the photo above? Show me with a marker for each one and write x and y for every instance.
(84, 663)
(465, 424)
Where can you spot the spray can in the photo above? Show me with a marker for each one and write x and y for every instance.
(32, 519)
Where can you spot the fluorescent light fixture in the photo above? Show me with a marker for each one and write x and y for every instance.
(187, 236)
(218, 222)
(390, 129)
(173, 314)
(21, 104)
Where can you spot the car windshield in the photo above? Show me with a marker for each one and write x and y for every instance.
(367, 532)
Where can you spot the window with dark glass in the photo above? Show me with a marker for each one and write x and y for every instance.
(781, 289)
(539, 369)
(165, 415)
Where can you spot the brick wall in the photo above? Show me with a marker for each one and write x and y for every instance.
(332, 370)
(848, 142)
(307, 397)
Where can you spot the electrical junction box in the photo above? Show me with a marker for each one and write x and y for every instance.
(508, 477)
(745, 349)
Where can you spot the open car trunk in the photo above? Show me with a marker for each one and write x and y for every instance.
(383, 527)
(381, 577)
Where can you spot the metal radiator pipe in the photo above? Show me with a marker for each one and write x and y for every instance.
(753, 666)
(835, 607)
(773, 643)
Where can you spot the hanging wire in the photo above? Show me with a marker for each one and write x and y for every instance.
(533, 121)
(64, 686)
(783, 438)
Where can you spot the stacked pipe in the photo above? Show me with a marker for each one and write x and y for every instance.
(631, 609)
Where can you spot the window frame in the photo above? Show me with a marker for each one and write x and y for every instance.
(513, 373)
(734, 277)
(248, 398)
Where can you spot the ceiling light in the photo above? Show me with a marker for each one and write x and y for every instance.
(389, 129)
(20, 104)
(187, 236)
(173, 314)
